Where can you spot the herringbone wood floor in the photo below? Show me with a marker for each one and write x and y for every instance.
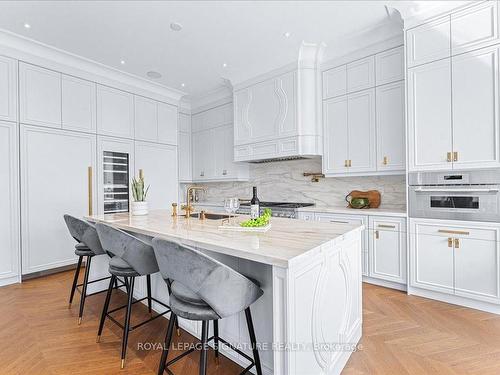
(401, 335)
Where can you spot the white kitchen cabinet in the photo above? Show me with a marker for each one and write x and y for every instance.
(184, 157)
(476, 142)
(361, 131)
(389, 66)
(146, 119)
(8, 89)
(387, 248)
(78, 104)
(213, 117)
(9, 205)
(167, 123)
(335, 135)
(118, 145)
(54, 182)
(474, 27)
(361, 74)
(429, 116)
(203, 157)
(159, 165)
(335, 82)
(40, 96)
(456, 258)
(391, 138)
(115, 112)
(428, 42)
(223, 150)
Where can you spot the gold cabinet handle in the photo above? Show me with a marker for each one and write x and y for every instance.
(346, 164)
(448, 157)
(453, 232)
(377, 235)
(455, 156)
(386, 160)
(450, 242)
(386, 226)
(350, 163)
(89, 178)
(457, 243)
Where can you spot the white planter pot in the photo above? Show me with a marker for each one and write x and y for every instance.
(139, 208)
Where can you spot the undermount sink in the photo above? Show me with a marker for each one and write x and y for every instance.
(210, 216)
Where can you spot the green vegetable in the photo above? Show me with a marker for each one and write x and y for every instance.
(261, 221)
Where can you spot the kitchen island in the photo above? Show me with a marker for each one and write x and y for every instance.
(309, 318)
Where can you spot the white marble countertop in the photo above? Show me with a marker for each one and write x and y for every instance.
(381, 211)
(288, 239)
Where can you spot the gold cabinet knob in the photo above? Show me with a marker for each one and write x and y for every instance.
(450, 242)
(457, 243)
(386, 160)
(350, 163)
(455, 156)
(448, 157)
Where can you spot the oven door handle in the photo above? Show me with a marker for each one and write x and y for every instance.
(444, 190)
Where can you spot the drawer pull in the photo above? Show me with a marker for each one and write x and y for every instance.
(450, 242)
(457, 243)
(338, 221)
(453, 232)
(386, 226)
(377, 235)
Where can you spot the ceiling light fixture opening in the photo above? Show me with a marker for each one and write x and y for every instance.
(175, 26)
(287, 34)
(153, 74)
(183, 85)
(27, 26)
(224, 65)
(122, 62)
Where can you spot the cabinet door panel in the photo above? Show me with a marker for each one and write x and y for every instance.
(115, 112)
(44, 159)
(78, 104)
(475, 109)
(335, 135)
(477, 257)
(431, 258)
(361, 131)
(8, 89)
(184, 150)
(159, 163)
(167, 123)
(335, 82)
(388, 249)
(9, 205)
(429, 116)
(391, 138)
(474, 27)
(428, 42)
(242, 133)
(361, 74)
(203, 165)
(224, 164)
(146, 119)
(40, 91)
(389, 66)
(263, 110)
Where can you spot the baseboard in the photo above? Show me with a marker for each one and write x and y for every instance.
(385, 283)
(52, 271)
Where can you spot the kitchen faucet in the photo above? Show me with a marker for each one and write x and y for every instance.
(188, 207)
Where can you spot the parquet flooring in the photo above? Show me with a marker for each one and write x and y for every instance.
(401, 335)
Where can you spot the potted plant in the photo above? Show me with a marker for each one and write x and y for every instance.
(139, 193)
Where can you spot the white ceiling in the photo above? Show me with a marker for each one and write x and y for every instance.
(246, 35)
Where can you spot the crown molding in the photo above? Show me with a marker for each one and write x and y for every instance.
(214, 98)
(37, 53)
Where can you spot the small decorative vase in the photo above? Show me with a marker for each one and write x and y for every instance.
(139, 208)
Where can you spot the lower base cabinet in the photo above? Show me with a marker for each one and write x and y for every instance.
(457, 258)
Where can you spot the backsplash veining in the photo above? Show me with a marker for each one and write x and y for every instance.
(283, 181)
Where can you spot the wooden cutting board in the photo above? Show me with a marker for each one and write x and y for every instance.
(373, 196)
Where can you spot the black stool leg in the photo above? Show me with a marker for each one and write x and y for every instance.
(168, 340)
(116, 283)
(216, 341)
(75, 280)
(84, 289)
(148, 285)
(203, 352)
(176, 320)
(106, 306)
(126, 327)
(253, 341)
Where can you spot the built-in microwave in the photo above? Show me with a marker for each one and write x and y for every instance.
(471, 196)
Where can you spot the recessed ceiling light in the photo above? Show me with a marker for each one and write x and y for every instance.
(287, 34)
(183, 85)
(27, 26)
(153, 74)
(122, 62)
(175, 26)
(224, 65)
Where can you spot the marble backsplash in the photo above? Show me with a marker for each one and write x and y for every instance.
(283, 181)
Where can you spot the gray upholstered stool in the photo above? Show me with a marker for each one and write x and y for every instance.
(204, 289)
(88, 245)
(132, 257)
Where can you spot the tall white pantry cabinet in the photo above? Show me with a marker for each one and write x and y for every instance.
(54, 128)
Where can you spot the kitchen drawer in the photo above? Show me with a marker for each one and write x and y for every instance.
(347, 219)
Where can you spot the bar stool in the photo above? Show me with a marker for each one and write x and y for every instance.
(132, 257)
(204, 289)
(88, 245)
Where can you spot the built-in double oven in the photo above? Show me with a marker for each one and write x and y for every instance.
(469, 196)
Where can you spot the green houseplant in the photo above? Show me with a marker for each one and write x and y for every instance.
(139, 194)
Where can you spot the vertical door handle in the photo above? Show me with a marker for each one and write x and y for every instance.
(448, 157)
(386, 160)
(350, 163)
(455, 156)
(224, 172)
(89, 178)
(450, 242)
(346, 164)
(377, 235)
(457, 243)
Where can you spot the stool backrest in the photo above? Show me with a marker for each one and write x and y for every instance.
(84, 232)
(226, 291)
(137, 253)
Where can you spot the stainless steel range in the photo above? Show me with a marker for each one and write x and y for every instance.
(472, 196)
(280, 209)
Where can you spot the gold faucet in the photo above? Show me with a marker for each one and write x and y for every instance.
(188, 207)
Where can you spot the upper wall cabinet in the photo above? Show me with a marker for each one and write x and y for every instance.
(115, 112)
(155, 121)
(389, 66)
(335, 82)
(167, 123)
(40, 95)
(78, 104)
(474, 27)
(8, 89)
(361, 74)
(213, 117)
(428, 42)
